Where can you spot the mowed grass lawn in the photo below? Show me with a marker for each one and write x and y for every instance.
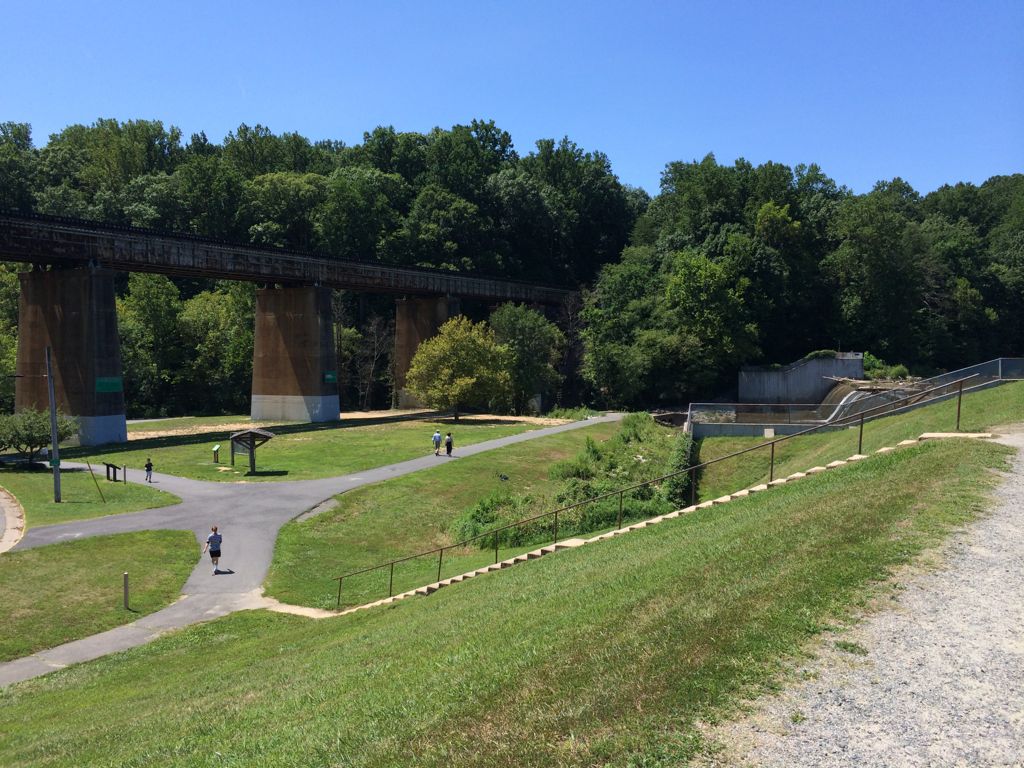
(80, 498)
(62, 592)
(605, 655)
(301, 451)
(407, 515)
(980, 411)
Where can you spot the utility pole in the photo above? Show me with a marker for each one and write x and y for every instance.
(55, 450)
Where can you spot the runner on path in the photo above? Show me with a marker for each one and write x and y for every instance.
(213, 544)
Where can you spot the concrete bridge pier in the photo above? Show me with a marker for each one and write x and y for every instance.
(72, 311)
(416, 320)
(294, 370)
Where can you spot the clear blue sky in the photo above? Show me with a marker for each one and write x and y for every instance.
(929, 91)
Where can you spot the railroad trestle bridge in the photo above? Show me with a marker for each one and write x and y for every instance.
(67, 303)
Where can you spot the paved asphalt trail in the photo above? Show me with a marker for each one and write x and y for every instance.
(249, 516)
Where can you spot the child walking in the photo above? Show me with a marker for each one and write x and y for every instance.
(213, 545)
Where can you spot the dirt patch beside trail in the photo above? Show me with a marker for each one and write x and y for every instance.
(354, 417)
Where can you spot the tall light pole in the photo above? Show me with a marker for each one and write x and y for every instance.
(55, 450)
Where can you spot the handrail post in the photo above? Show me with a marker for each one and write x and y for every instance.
(556, 528)
(693, 486)
(771, 469)
(860, 437)
(959, 397)
(618, 522)
(440, 554)
(391, 579)
(495, 546)
(338, 606)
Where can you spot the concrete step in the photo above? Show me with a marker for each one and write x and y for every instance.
(577, 542)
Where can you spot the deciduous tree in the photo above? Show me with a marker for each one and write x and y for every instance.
(463, 366)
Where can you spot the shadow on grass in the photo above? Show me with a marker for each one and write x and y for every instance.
(267, 473)
(21, 466)
(173, 441)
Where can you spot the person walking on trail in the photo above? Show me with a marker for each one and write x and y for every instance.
(149, 470)
(437, 442)
(213, 545)
(448, 444)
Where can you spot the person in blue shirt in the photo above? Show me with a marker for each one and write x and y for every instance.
(437, 442)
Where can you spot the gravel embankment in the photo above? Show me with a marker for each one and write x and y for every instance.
(942, 683)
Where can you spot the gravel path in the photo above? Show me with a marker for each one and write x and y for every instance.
(942, 683)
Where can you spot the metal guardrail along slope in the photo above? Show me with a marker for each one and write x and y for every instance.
(944, 391)
(776, 414)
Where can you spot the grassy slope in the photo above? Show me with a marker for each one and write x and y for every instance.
(597, 656)
(64, 580)
(406, 515)
(301, 452)
(980, 411)
(80, 499)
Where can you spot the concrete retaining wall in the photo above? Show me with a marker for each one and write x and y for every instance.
(801, 382)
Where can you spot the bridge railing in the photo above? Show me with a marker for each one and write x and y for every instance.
(33, 236)
(557, 519)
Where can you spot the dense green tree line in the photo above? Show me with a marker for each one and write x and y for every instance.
(460, 199)
(741, 264)
(728, 265)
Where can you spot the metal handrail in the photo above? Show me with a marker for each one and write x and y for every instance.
(880, 394)
(861, 416)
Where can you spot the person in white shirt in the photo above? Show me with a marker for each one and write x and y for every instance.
(213, 545)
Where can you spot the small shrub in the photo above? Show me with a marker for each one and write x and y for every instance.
(28, 431)
(638, 452)
(898, 372)
(580, 467)
(499, 508)
(636, 427)
(677, 488)
(874, 367)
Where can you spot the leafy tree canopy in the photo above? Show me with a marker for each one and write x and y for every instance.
(463, 366)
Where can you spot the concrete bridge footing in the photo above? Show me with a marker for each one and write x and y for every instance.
(294, 372)
(416, 320)
(72, 311)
